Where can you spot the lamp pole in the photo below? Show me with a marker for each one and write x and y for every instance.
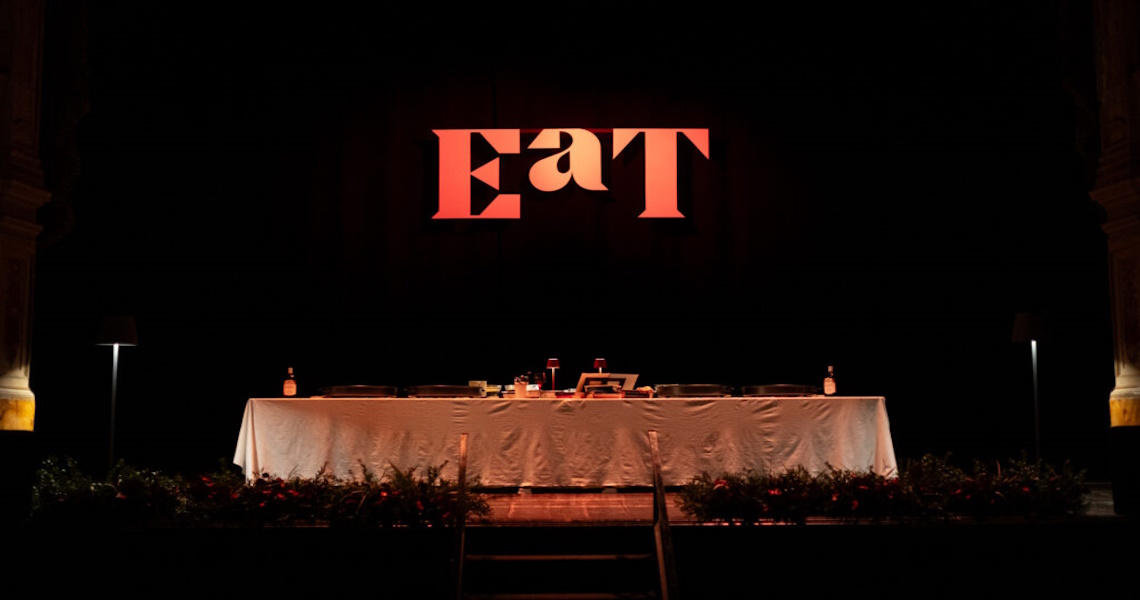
(1036, 405)
(114, 391)
(1033, 327)
(115, 332)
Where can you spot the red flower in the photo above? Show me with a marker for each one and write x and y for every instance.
(420, 505)
(206, 480)
(774, 492)
(720, 484)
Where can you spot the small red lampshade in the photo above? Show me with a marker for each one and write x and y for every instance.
(599, 363)
(552, 363)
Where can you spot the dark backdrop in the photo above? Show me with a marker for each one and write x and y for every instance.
(887, 187)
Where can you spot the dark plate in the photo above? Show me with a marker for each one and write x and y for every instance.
(780, 389)
(444, 391)
(360, 391)
(692, 390)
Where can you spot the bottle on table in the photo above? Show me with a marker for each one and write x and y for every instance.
(290, 387)
(829, 382)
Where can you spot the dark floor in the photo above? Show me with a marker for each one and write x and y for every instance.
(1091, 557)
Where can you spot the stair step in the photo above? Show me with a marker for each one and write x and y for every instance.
(556, 557)
(539, 562)
(565, 596)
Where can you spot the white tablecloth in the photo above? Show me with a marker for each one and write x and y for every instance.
(564, 442)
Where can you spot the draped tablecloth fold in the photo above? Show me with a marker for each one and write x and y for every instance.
(564, 442)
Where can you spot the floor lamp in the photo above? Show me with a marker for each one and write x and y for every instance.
(115, 332)
(1032, 328)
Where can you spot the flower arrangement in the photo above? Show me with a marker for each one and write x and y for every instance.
(931, 488)
(63, 495)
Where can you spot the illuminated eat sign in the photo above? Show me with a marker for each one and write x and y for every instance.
(584, 156)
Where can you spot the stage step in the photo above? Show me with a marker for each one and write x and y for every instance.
(509, 562)
(563, 596)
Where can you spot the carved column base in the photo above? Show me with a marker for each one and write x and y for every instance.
(17, 413)
(1124, 450)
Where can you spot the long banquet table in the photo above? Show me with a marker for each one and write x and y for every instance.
(564, 442)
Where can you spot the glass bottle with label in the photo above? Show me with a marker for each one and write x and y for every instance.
(290, 387)
(829, 382)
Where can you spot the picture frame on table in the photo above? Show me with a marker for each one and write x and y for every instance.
(590, 384)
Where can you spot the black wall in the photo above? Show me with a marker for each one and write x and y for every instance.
(886, 189)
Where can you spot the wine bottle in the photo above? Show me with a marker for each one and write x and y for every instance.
(829, 382)
(290, 387)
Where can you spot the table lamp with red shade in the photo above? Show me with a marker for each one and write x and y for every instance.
(600, 364)
(552, 364)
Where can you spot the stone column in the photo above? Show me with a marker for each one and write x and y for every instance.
(22, 192)
(1117, 190)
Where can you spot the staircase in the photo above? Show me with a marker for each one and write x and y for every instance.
(572, 561)
(560, 561)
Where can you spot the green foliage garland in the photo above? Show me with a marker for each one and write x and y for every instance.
(63, 495)
(931, 488)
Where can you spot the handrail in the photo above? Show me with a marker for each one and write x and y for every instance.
(666, 567)
(461, 518)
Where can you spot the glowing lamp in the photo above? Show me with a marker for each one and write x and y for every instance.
(115, 332)
(552, 364)
(1033, 327)
(600, 364)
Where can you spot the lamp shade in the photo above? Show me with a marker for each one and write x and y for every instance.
(599, 363)
(117, 330)
(1028, 327)
(552, 363)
